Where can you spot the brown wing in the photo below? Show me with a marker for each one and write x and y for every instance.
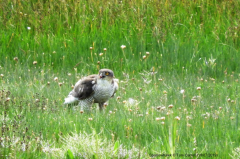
(84, 88)
(92, 76)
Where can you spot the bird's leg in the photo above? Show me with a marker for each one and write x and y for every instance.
(100, 106)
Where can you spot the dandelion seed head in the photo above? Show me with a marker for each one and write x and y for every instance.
(229, 100)
(105, 105)
(212, 79)
(177, 118)
(163, 108)
(182, 91)
(132, 101)
(189, 125)
(159, 107)
(162, 118)
(15, 58)
(194, 99)
(123, 46)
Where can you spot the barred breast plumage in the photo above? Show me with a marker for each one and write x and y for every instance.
(103, 91)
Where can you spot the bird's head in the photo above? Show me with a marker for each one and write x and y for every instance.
(106, 74)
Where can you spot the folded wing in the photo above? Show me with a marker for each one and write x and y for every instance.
(82, 89)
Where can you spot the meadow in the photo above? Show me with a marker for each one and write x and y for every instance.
(178, 68)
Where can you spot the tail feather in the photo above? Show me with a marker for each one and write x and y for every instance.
(70, 99)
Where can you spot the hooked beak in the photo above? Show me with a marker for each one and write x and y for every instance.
(101, 75)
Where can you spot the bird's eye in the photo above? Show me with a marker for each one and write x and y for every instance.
(107, 73)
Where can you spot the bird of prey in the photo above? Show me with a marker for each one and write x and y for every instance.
(93, 89)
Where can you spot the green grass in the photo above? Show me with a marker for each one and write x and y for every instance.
(193, 46)
(176, 34)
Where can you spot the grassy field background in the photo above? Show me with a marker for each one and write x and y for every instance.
(179, 78)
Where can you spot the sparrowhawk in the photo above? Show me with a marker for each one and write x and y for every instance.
(93, 89)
